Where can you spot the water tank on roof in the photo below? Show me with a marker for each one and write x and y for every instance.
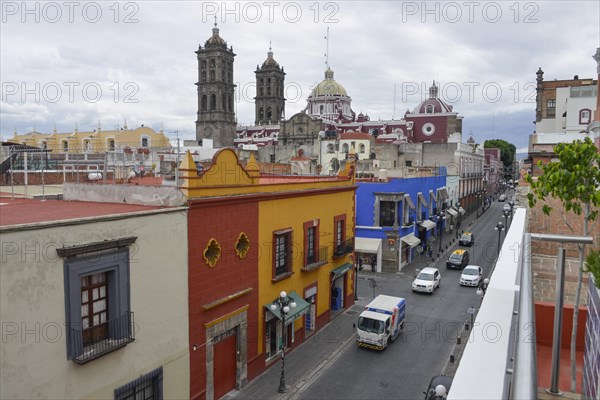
(383, 174)
(95, 176)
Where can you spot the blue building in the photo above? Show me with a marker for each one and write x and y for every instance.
(396, 218)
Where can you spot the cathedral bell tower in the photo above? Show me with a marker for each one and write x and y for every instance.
(269, 102)
(216, 114)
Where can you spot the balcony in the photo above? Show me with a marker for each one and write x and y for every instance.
(343, 248)
(317, 260)
(89, 344)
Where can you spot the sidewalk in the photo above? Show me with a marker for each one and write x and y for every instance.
(304, 364)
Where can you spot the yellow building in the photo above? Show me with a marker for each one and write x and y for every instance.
(299, 235)
(97, 141)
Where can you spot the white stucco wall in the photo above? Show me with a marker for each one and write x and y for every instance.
(33, 362)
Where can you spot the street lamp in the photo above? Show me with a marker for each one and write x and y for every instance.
(458, 217)
(440, 219)
(499, 227)
(283, 303)
(512, 205)
(507, 216)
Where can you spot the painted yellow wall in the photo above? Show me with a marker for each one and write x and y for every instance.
(99, 140)
(294, 212)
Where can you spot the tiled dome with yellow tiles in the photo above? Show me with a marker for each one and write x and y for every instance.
(329, 86)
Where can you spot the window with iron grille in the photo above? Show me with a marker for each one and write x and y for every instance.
(340, 232)
(146, 387)
(283, 252)
(311, 255)
(387, 213)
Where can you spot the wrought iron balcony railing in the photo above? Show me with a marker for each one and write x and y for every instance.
(343, 248)
(317, 259)
(96, 341)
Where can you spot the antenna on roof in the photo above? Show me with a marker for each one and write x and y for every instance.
(327, 49)
(394, 113)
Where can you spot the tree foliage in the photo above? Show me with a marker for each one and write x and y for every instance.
(592, 265)
(508, 151)
(574, 178)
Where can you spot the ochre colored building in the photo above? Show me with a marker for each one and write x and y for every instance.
(97, 141)
(252, 236)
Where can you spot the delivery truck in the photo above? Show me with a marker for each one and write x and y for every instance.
(381, 322)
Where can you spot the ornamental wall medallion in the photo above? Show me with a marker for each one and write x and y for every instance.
(242, 246)
(212, 253)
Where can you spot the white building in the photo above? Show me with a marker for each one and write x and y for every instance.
(93, 301)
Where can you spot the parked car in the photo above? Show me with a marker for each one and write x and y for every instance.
(467, 239)
(502, 197)
(471, 275)
(458, 259)
(427, 280)
(438, 388)
(506, 207)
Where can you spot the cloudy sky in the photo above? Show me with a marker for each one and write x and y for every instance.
(84, 63)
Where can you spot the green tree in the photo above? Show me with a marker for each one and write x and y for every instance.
(508, 151)
(574, 180)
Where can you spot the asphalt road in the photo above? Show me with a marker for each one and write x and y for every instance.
(403, 370)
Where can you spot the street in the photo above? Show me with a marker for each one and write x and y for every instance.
(433, 322)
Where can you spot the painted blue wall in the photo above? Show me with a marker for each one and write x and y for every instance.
(365, 202)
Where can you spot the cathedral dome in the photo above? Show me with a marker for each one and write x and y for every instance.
(433, 105)
(329, 86)
(215, 39)
(270, 61)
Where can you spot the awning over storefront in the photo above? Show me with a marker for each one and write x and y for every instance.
(422, 199)
(442, 194)
(366, 245)
(409, 201)
(341, 270)
(452, 212)
(427, 224)
(411, 240)
(462, 210)
(300, 309)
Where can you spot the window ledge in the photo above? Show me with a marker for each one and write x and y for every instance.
(342, 253)
(313, 266)
(99, 349)
(282, 277)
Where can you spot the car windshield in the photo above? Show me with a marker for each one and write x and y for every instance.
(470, 271)
(465, 237)
(456, 257)
(425, 276)
(370, 325)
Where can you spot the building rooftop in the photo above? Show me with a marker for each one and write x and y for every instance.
(21, 211)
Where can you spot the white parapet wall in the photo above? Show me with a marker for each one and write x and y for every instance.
(482, 371)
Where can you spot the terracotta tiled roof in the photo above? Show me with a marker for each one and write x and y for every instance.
(355, 135)
(26, 211)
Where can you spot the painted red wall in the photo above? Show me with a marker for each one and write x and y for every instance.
(440, 123)
(222, 220)
(544, 325)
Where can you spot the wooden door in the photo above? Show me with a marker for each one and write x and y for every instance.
(224, 377)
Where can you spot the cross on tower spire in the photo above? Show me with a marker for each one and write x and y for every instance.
(215, 20)
(327, 49)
